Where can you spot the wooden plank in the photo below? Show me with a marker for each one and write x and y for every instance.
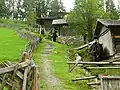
(25, 78)
(73, 67)
(96, 63)
(103, 67)
(30, 79)
(83, 46)
(84, 78)
(109, 77)
(11, 68)
(94, 83)
(13, 77)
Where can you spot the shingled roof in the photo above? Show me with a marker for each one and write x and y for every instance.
(107, 23)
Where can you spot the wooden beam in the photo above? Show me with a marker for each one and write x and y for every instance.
(84, 78)
(94, 83)
(11, 68)
(109, 77)
(73, 67)
(83, 46)
(103, 67)
(96, 63)
(24, 87)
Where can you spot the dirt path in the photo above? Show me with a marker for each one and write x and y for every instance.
(52, 83)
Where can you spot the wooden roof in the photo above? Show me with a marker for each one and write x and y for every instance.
(112, 24)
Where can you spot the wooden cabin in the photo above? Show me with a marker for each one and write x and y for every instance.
(108, 33)
(58, 23)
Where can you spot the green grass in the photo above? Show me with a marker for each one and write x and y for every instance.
(11, 46)
(60, 69)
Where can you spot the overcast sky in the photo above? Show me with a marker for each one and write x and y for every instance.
(69, 4)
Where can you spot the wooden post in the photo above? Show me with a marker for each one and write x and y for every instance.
(13, 77)
(35, 84)
(25, 79)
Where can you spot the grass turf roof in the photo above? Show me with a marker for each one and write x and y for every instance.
(11, 46)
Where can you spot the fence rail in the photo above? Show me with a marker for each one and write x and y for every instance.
(21, 76)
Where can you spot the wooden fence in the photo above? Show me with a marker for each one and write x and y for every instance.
(101, 82)
(21, 76)
(34, 41)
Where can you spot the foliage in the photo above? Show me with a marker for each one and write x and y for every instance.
(82, 18)
(111, 10)
(11, 46)
(57, 9)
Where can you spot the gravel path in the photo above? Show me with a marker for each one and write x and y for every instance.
(52, 83)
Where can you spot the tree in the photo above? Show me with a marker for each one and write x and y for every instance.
(84, 15)
(111, 10)
(43, 8)
(57, 9)
(3, 9)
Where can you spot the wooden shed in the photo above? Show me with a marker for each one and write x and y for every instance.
(108, 35)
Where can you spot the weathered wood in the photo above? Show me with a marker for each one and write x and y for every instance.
(36, 85)
(3, 82)
(94, 83)
(13, 77)
(30, 79)
(11, 68)
(9, 83)
(73, 67)
(83, 46)
(96, 63)
(18, 73)
(25, 79)
(103, 67)
(109, 77)
(84, 78)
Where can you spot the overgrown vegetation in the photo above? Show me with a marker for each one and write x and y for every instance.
(60, 69)
(11, 46)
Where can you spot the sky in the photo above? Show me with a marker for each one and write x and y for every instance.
(69, 4)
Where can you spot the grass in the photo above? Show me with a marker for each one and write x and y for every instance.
(11, 46)
(60, 69)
